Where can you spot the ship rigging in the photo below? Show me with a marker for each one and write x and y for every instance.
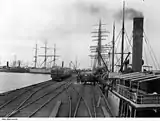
(53, 57)
(132, 91)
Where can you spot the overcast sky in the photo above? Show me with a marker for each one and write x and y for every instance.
(68, 24)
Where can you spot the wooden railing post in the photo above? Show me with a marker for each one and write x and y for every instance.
(135, 112)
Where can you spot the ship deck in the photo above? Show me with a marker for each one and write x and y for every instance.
(55, 99)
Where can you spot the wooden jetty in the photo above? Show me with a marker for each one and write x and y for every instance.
(55, 99)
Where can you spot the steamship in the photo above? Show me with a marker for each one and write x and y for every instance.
(14, 68)
(131, 92)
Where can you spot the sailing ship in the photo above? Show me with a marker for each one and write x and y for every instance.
(45, 69)
(131, 92)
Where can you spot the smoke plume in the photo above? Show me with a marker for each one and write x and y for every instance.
(130, 13)
(92, 8)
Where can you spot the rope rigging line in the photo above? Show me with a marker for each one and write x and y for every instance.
(118, 41)
(116, 38)
(115, 41)
(118, 60)
(145, 56)
(154, 63)
(151, 50)
(116, 50)
(129, 40)
(127, 47)
(42, 63)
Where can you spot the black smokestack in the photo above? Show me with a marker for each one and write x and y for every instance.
(130, 14)
(62, 64)
(7, 64)
(137, 44)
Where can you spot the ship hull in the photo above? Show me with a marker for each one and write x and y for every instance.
(116, 107)
(14, 70)
(40, 71)
(113, 102)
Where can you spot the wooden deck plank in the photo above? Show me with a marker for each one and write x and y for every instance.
(55, 109)
(106, 114)
(99, 100)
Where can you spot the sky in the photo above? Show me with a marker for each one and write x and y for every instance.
(68, 24)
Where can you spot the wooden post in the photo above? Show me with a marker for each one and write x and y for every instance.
(137, 88)
(137, 91)
(121, 109)
(127, 109)
(130, 108)
(130, 90)
(135, 112)
(124, 112)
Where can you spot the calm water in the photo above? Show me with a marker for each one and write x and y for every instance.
(11, 81)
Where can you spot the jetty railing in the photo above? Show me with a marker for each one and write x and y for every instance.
(137, 98)
(148, 99)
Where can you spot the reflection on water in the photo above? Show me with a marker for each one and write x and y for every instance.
(11, 81)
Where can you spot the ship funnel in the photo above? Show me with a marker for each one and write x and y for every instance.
(62, 64)
(137, 44)
(7, 64)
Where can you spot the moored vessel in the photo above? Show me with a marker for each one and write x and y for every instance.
(131, 92)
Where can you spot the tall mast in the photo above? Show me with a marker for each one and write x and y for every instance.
(99, 50)
(113, 44)
(54, 56)
(35, 61)
(122, 48)
(99, 43)
(76, 63)
(15, 61)
(45, 54)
